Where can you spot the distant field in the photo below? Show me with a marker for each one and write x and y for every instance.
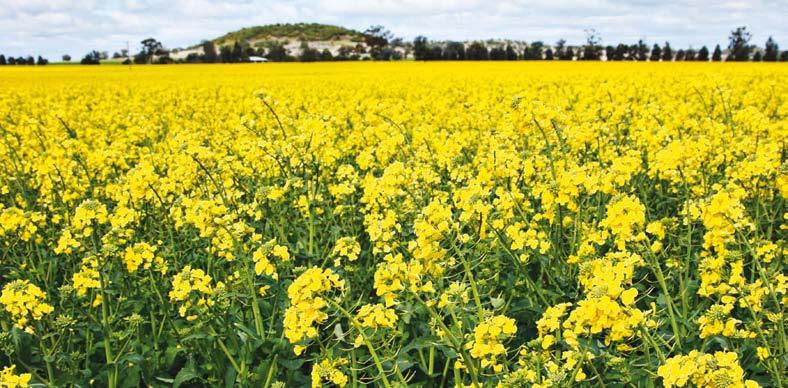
(434, 224)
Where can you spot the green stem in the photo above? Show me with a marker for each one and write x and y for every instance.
(112, 376)
(474, 290)
(668, 299)
(452, 340)
(371, 348)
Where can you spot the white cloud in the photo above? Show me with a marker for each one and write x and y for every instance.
(55, 27)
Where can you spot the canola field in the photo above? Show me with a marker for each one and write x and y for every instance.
(403, 224)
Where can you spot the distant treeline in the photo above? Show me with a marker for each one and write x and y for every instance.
(29, 60)
(739, 49)
(379, 44)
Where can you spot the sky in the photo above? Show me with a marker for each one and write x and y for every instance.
(55, 27)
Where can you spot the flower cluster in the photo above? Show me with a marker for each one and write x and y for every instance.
(717, 370)
(329, 371)
(192, 287)
(261, 258)
(346, 248)
(24, 301)
(487, 343)
(307, 296)
(143, 254)
(8, 379)
(376, 315)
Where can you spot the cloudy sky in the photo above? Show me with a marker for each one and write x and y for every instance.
(56, 27)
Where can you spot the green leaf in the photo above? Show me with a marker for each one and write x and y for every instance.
(185, 374)
(291, 364)
(171, 354)
(229, 377)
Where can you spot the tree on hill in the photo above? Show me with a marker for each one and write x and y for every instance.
(420, 48)
(609, 51)
(91, 58)
(209, 52)
(617, 53)
(560, 45)
(308, 54)
(497, 54)
(150, 47)
(757, 57)
(454, 51)
(3, 62)
(717, 55)
(277, 52)
(656, 53)
(237, 54)
(511, 55)
(667, 53)
(343, 53)
(568, 55)
(434, 52)
(591, 51)
(534, 51)
(66, 58)
(376, 37)
(703, 54)
(41, 61)
(642, 50)
(226, 54)
(548, 54)
(477, 51)
(739, 45)
(770, 51)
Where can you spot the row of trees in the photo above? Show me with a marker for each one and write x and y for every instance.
(380, 44)
(739, 49)
(277, 52)
(29, 60)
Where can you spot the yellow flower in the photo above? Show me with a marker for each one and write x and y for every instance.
(704, 370)
(625, 217)
(139, 254)
(346, 247)
(329, 371)
(763, 353)
(488, 336)
(24, 301)
(10, 380)
(88, 276)
(193, 288)
(376, 315)
(628, 296)
(307, 303)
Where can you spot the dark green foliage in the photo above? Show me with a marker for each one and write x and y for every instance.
(717, 56)
(91, 58)
(477, 51)
(656, 53)
(770, 50)
(703, 54)
(739, 45)
(298, 31)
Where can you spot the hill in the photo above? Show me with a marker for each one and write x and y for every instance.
(309, 32)
(290, 36)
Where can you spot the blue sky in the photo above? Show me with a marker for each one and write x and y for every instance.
(56, 27)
